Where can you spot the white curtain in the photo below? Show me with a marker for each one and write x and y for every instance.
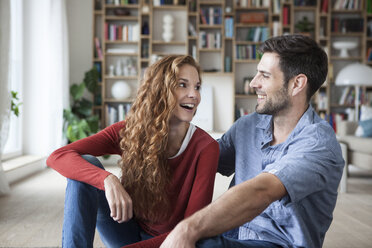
(46, 83)
(4, 84)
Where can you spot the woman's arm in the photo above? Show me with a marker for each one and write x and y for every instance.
(68, 162)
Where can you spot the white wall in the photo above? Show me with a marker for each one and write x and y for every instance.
(80, 29)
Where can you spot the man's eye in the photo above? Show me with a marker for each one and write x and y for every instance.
(198, 87)
(265, 76)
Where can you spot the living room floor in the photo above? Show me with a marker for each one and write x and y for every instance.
(31, 216)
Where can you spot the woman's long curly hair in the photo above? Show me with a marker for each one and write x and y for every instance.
(145, 171)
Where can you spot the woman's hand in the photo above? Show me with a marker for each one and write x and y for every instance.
(118, 199)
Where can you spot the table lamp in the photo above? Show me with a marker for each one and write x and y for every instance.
(357, 75)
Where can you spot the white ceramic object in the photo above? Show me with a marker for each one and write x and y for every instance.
(168, 21)
(121, 90)
(344, 46)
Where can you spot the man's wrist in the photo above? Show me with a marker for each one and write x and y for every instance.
(191, 229)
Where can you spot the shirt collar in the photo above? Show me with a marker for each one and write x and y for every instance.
(265, 122)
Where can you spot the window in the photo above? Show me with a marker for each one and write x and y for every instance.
(13, 147)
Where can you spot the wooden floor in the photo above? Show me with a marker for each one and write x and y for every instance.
(31, 216)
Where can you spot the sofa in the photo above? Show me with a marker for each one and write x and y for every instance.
(358, 149)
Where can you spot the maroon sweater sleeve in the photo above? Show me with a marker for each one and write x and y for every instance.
(201, 194)
(68, 162)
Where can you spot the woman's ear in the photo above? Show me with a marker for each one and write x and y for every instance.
(299, 84)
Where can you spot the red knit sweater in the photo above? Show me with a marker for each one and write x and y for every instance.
(193, 176)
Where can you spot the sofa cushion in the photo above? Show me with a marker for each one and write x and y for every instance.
(361, 160)
(366, 126)
(360, 144)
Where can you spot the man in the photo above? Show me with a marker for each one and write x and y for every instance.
(286, 159)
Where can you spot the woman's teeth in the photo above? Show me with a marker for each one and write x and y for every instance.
(188, 105)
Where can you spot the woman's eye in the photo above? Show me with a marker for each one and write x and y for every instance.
(198, 87)
(182, 85)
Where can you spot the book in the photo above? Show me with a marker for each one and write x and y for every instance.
(344, 94)
(98, 48)
(285, 15)
(203, 18)
(325, 6)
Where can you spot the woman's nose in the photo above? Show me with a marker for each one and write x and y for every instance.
(192, 93)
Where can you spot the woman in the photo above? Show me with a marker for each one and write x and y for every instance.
(167, 164)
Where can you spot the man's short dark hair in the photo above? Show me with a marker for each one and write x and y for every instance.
(299, 54)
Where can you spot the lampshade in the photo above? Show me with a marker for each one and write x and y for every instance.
(354, 74)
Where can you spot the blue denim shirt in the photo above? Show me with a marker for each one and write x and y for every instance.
(309, 164)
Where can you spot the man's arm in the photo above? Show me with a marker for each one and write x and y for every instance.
(237, 206)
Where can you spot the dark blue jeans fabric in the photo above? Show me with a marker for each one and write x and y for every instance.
(86, 209)
(224, 242)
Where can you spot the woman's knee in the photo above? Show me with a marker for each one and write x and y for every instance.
(93, 160)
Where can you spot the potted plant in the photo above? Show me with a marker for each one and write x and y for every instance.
(79, 120)
(304, 26)
(14, 104)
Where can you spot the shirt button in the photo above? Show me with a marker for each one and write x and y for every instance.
(262, 143)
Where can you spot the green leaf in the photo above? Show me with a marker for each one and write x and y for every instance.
(93, 122)
(91, 80)
(79, 121)
(84, 108)
(77, 91)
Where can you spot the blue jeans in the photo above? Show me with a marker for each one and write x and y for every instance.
(86, 209)
(222, 242)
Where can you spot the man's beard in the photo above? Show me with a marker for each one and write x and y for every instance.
(280, 103)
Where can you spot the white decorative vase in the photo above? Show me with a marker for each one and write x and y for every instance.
(167, 28)
(121, 90)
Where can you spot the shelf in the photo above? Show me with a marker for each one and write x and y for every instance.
(210, 26)
(210, 49)
(120, 42)
(175, 43)
(243, 42)
(246, 61)
(249, 25)
(153, 45)
(210, 2)
(121, 18)
(129, 6)
(252, 8)
(122, 54)
(170, 7)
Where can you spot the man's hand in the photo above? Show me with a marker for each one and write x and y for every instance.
(118, 199)
(180, 237)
